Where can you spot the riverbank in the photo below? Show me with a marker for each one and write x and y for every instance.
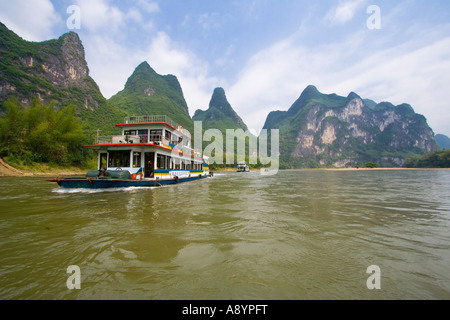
(366, 169)
(38, 170)
(44, 170)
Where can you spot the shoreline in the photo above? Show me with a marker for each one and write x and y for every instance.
(38, 170)
(49, 174)
(42, 170)
(379, 169)
(341, 169)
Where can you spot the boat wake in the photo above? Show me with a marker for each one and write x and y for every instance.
(92, 191)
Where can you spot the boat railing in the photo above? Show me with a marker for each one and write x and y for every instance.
(155, 119)
(125, 139)
(192, 152)
(152, 138)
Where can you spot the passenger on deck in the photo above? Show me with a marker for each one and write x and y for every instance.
(103, 173)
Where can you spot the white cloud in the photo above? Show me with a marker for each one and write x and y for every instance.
(226, 60)
(272, 79)
(210, 20)
(111, 63)
(105, 32)
(149, 6)
(344, 12)
(416, 71)
(134, 15)
(32, 20)
(419, 77)
(166, 57)
(99, 14)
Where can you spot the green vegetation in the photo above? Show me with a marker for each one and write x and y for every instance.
(24, 76)
(438, 159)
(41, 134)
(220, 114)
(443, 141)
(148, 93)
(356, 138)
(371, 165)
(15, 55)
(52, 132)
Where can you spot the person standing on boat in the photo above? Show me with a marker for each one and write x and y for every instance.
(151, 168)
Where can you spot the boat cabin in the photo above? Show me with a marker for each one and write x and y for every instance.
(150, 147)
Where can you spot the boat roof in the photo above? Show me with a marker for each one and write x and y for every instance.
(152, 120)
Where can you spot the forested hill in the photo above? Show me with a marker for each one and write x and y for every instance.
(52, 80)
(443, 141)
(148, 93)
(220, 115)
(331, 130)
(55, 71)
(44, 82)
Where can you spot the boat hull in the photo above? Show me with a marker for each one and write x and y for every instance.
(98, 183)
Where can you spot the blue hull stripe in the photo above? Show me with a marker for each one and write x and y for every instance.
(113, 183)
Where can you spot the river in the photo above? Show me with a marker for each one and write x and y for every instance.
(297, 235)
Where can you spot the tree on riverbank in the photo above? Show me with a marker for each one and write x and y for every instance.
(438, 159)
(42, 134)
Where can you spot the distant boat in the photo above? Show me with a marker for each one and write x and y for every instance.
(152, 151)
(243, 167)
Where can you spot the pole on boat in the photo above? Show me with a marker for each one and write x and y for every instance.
(98, 135)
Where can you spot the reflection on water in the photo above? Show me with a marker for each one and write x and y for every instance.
(307, 234)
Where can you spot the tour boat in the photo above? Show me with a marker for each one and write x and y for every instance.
(243, 167)
(152, 151)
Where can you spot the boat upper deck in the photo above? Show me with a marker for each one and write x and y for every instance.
(152, 130)
(154, 120)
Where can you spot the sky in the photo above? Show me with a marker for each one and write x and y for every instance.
(264, 53)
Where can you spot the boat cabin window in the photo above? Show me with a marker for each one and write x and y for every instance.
(169, 164)
(174, 139)
(119, 159)
(103, 161)
(137, 159)
(143, 134)
(130, 132)
(161, 161)
(168, 135)
(155, 135)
